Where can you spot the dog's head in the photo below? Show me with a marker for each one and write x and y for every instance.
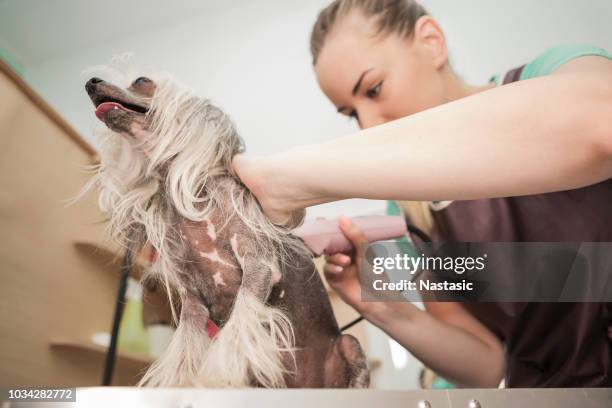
(122, 110)
(163, 119)
(164, 147)
(159, 129)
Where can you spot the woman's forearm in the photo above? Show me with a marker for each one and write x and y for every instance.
(541, 135)
(451, 352)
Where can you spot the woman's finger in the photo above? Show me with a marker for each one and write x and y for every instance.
(339, 259)
(332, 269)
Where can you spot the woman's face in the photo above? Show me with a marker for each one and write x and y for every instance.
(379, 78)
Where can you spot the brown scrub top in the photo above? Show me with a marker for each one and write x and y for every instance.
(546, 344)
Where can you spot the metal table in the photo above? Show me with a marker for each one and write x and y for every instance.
(116, 397)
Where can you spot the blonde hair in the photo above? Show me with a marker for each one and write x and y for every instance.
(418, 213)
(391, 16)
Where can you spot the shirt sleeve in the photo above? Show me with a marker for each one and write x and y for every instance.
(551, 59)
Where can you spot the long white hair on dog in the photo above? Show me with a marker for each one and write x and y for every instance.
(172, 170)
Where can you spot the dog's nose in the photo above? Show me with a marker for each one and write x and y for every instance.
(89, 86)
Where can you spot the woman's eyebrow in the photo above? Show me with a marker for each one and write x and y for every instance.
(356, 87)
(358, 84)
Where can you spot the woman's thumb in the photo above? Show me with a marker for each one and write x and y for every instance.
(353, 233)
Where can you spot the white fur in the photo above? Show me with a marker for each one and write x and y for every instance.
(250, 347)
(195, 142)
(181, 362)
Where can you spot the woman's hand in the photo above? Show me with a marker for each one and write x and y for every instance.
(342, 272)
(445, 343)
(255, 176)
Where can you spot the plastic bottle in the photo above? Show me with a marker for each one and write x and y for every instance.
(133, 337)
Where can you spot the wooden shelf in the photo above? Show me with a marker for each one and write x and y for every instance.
(106, 257)
(88, 348)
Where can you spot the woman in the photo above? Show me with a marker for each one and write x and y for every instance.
(427, 135)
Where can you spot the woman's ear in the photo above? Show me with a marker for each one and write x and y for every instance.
(429, 35)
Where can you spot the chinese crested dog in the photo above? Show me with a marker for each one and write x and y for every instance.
(250, 308)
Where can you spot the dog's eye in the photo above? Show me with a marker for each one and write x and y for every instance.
(141, 81)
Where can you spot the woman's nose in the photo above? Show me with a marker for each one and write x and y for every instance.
(368, 121)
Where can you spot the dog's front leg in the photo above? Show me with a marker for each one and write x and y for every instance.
(256, 345)
(260, 270)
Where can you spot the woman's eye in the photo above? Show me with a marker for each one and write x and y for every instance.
(375, 91)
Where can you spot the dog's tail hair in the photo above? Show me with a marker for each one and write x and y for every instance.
(254, 347)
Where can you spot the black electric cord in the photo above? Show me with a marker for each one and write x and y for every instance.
(351, 324)
(419, 233)
(111, 354)
(411, 229)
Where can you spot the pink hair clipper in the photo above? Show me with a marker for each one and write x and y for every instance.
(324, 236)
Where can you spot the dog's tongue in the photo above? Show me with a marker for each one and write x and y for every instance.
(105, 107)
